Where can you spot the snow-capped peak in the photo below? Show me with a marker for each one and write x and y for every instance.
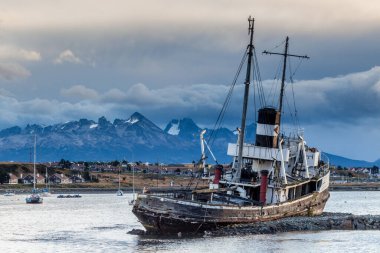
(174, 128)
(132, 120)
(93, 125)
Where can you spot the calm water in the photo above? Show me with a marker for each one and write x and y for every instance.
(99, 222)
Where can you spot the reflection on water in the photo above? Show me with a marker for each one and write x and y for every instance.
(100, 222)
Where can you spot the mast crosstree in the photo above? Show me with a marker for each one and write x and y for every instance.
(285, 55)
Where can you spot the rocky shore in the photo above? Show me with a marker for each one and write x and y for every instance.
(326, 221)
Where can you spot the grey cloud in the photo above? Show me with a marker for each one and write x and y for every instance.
(346, 99)
(11, 71)
(350, 99)
(79, 92)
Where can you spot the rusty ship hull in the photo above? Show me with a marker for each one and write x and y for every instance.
(161, 214)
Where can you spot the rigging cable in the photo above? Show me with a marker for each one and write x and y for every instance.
(279, 45)
(258, 79)
(296, 119)
(276, 78)
(221, 115)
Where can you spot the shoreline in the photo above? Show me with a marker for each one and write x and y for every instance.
(83, 188)
(91, 190)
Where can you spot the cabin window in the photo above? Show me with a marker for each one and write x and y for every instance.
(298, 191)
(291, 194)
(305, 189)
(319, 184)
(254, 193)
(312, 186)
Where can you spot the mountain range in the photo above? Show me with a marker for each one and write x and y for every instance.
(136, 138)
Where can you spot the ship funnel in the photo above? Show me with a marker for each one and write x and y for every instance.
(268, 126)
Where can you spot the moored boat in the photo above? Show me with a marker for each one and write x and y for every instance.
(277, 176)
(68, 196)
(119, 191)
(9, 193)
(35, 197)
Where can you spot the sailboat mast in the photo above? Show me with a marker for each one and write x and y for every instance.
(46, 178)
(245, 102)
(119, 178)
(34, 163)
(133, 181)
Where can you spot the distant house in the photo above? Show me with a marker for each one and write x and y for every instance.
(59, 179)
(374, 170)
(13, 179)
(29, 179)
(78, 166)
(76, 179)
(40, 179)
(103, 167)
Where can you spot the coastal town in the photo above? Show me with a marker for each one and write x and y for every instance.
(106, 174)
(97, 174)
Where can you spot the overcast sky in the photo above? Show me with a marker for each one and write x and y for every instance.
(72, 59)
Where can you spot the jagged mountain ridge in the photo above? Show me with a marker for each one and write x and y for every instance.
(136, 138)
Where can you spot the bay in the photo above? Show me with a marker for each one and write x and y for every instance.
(100, 222)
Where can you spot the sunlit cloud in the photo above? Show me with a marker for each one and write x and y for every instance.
(11, 53)
(67, 56)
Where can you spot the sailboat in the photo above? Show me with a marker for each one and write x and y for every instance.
(34, 198)
(275, 177)
(119, 191)
(46, 191)
(132, 202)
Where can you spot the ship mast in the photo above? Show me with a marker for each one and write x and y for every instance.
(245, 102)
(285, 55)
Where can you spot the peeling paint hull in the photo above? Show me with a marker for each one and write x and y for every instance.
(168, 215)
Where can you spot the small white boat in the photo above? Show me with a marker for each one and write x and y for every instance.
(119, 191)
(45, 193)
(9, 193)
(132, 202)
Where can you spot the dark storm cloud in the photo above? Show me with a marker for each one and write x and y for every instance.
(352, 98)
(345, 99)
